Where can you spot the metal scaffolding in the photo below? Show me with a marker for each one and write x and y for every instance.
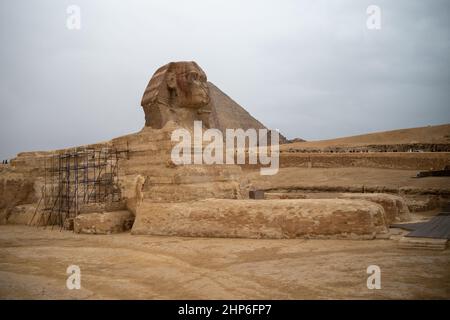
(76, 178)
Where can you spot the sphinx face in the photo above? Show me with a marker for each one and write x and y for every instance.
(177, 92)
(188, 85)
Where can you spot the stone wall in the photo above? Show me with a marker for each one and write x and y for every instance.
(15, 189)
(394, 160)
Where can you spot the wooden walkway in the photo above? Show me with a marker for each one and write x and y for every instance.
(437, 227)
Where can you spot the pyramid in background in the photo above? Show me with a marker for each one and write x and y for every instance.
(228, 114)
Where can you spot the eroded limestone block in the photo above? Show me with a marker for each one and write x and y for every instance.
(103, 223)
(101, 207)
(15, 189)
(395, 207)
(22, 214)
(423, 203)
(311, 218)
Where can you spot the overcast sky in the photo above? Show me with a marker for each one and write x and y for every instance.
(309, 68)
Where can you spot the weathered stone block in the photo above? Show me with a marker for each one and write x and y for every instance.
(423, 203)
(311, 218)
(395, 207)
(22, 214)
(103, 223)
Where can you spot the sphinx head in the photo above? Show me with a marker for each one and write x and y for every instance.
(175, 86)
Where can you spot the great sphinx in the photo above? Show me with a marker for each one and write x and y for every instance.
(178, 92)
(144, 189)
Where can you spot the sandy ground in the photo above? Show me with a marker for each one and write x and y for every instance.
(33, 264)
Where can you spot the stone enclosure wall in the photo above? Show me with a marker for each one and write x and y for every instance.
(386, 160)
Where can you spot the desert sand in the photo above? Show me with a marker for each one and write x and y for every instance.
(425, 135)
(33, 265)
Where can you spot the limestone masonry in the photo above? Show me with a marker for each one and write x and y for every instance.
(130, 182)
